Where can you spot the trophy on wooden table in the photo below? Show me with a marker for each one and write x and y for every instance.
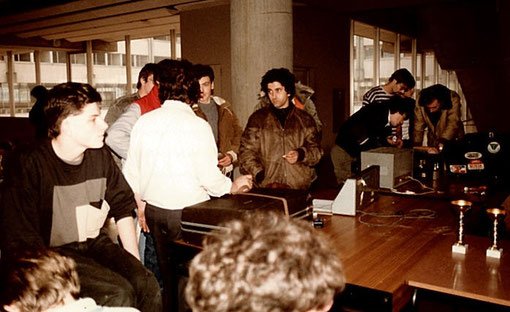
(496, 214)
(462, 206)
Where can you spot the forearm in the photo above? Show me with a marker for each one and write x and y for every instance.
(127, 234)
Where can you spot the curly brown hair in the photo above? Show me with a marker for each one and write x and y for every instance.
(264, 262)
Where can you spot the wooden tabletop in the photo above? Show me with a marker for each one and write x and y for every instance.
(399, 239)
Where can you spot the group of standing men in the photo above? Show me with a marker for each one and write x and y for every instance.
(390, 117)
(178, 141)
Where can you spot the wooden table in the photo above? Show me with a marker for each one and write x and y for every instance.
(395, 254)
(472, 275)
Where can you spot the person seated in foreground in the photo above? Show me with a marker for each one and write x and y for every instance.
(265, 262)
(40, 280)
(60, 193)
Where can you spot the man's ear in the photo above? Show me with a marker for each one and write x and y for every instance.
(212, 85)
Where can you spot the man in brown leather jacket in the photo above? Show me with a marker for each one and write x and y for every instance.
(280, 143)
(221, 117)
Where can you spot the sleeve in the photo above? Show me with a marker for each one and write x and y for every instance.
(118, 195)
(419, 125)
(119, 133)
(131, 168)
(311, 145)
(205, 164)
(20, 221)
(366, 98)
(453, 119)
(250, 150)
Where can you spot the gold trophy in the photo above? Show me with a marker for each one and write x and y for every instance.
(462, 206)
(496, 214)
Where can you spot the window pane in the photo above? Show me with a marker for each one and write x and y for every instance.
(45, 56)
(387, 55)
(429, 70)
(363, 69)
(99, 59)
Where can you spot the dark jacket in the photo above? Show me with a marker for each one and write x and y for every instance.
(368, 128)
(265, 141)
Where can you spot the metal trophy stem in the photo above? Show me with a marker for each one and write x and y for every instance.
(496, 214)
(462, 206)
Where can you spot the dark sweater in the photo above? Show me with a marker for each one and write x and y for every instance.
(47, 202)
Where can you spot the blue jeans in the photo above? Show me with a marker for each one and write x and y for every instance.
(112, 276)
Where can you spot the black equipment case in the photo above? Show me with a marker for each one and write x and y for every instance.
(198, 220)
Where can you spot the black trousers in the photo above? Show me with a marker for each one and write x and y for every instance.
(165, 226)
(112, 276)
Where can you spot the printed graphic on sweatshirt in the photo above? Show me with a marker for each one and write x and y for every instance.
(79, 211)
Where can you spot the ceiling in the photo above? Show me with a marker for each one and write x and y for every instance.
(67, 25)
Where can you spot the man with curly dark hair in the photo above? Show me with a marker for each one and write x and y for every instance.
(265, 262)
(280, 143)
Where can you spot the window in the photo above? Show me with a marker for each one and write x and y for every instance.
(99, 59)
(78, 58)
(45, 56)
(114, 59)
(59, 57)
(23, 57)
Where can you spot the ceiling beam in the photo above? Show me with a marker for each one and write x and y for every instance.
(134, 33)
(130, 7)
(12, 43)
(57, 10)
(97, 32)
(103, 22)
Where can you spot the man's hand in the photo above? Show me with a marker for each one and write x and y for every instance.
(140, 213)
(398, 143)
(242, 184)
(225, 161)
(291, 157)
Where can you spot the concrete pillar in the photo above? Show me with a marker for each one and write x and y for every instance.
(37, 61)
(261, 39)
(129, 80)
(69, 72)
(90, 64)
(10, 82)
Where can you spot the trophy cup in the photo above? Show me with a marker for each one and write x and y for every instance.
(462, 206)
(496, 214)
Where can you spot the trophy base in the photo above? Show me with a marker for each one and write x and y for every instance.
(494, 252)
(460, 249)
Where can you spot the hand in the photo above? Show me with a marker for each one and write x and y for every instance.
(225, 161)
(398, 143)
(242, 184)
(433, 150)
(291, 157)
(140, 213)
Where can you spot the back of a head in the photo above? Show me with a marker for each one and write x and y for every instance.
(147, 70)
(402, 75)
(437, 92)
(201, 70)
(281, 75)
(39, 92)
(265, 262)
(36, 280)
(65, 99)
(177, 81)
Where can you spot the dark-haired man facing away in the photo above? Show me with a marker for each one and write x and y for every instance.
(280, 143)
(62, 191)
